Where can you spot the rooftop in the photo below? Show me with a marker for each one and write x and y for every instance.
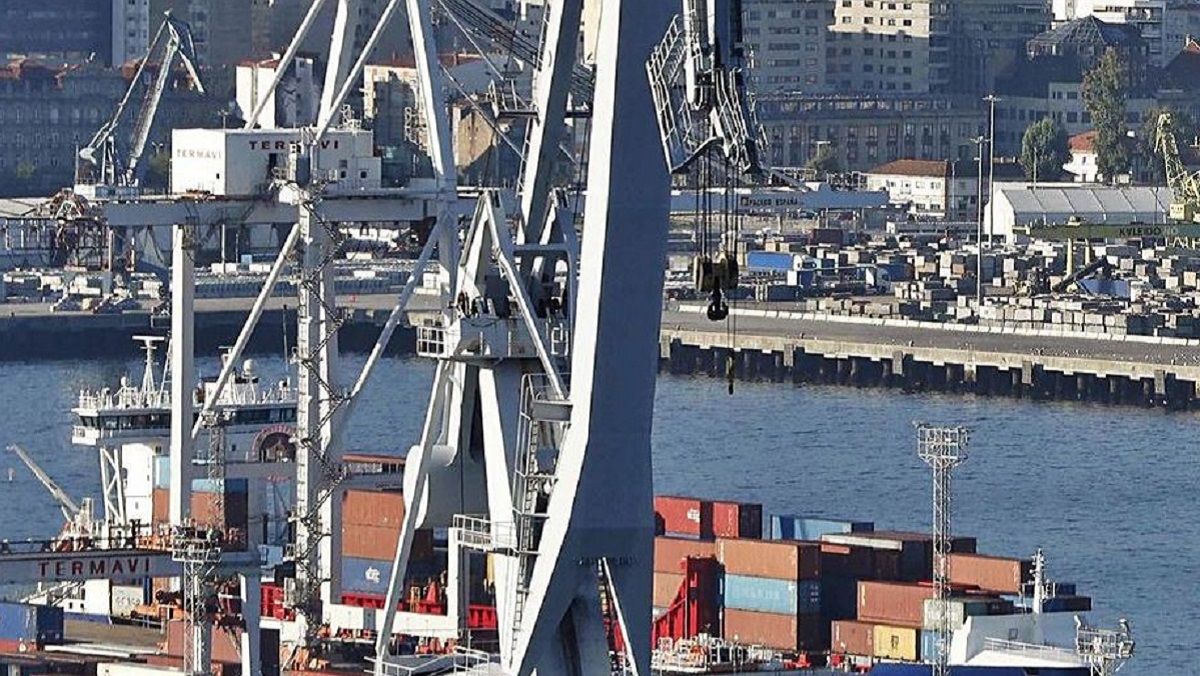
(1083, 143)
(925, 168)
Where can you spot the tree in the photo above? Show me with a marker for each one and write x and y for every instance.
(24, 170)
(1044, 150)
(823, 163)
(1147, 147)
(1104, 96)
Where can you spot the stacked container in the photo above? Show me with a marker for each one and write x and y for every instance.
(25, 627)
(773, 594)
(221, 503)
(371, 524)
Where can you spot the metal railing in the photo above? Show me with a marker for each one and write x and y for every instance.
(479, 533)
(1046, 652)
(462, 660)
(129, 397)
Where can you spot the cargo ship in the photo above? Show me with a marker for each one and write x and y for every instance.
(735, 592)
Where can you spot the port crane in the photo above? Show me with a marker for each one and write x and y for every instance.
(77, 514)
(100, 164)
(1185, 206)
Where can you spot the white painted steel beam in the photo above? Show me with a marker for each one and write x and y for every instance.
(601, 505)
(286, 60)
(341, 50)
(239, 346)
(183, 370)
(552, 86)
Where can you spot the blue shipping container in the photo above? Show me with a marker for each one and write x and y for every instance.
(764, 595)
(24, 622)
(839, 597)
(162, 471)
(367, 576)
(769, 261)
(793, 527)
(928, 645)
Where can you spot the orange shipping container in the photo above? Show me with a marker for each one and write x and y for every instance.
(895, 603)
(775, 559)
(370, 542)
(848, 637)
(160, 505)
(224, 642)
(795, 633)
(381, 509)
(666, 588)
(992, 573)
(670, 552)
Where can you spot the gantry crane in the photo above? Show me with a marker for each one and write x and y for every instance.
(100, 163)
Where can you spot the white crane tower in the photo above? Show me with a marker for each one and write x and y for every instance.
(536, 444)
(943, 449)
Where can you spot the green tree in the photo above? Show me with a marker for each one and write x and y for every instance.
(823, 163)
(1104, 95)
(24, 170)
(1044, 150)
(1186, 133)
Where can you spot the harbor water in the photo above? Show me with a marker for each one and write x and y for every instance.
(1107, 492)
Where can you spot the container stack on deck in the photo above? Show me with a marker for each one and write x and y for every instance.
(822, 586)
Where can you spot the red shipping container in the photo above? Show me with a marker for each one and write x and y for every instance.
(775, 559)
(666, 588)
(895, 603)
(794, 633)
(381, 509)
(736, 519)
(684, 516)
(992, 573)
(850, 637)
(669, 553)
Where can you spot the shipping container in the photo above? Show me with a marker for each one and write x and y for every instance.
(225, 486)
(666, 588)
(226, 643)
(30, 623)
(779, 559)
(993, 573)
(897, 643)
(794, 633)
(894, 603)
(381, 509)
(372, 542)
(765, 595)
(162, 471)
(850, 637)
(839, 597)
(669, 553)
(160, 505)
(960, 608)
(1067, 604)
(915, 549)
(684, 516)
(769, 261)
(795, 527)
(848, 561)
(928, 648)
(737, 519)
(368, 576)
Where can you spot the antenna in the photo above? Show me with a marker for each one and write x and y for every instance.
(149, 345)
(943, 449)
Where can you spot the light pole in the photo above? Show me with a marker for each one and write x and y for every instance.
(979, 142)
(991, 99)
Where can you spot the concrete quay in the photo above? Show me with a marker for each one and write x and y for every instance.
(782, 346)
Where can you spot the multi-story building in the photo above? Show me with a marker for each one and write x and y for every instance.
(862, 131)
(47, 113)
(1050, 83)
(1166, 25)
(62, 31)
(784, 44)
(131, 30)
(928, 46)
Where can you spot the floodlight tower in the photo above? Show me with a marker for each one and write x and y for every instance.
(943, 449)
